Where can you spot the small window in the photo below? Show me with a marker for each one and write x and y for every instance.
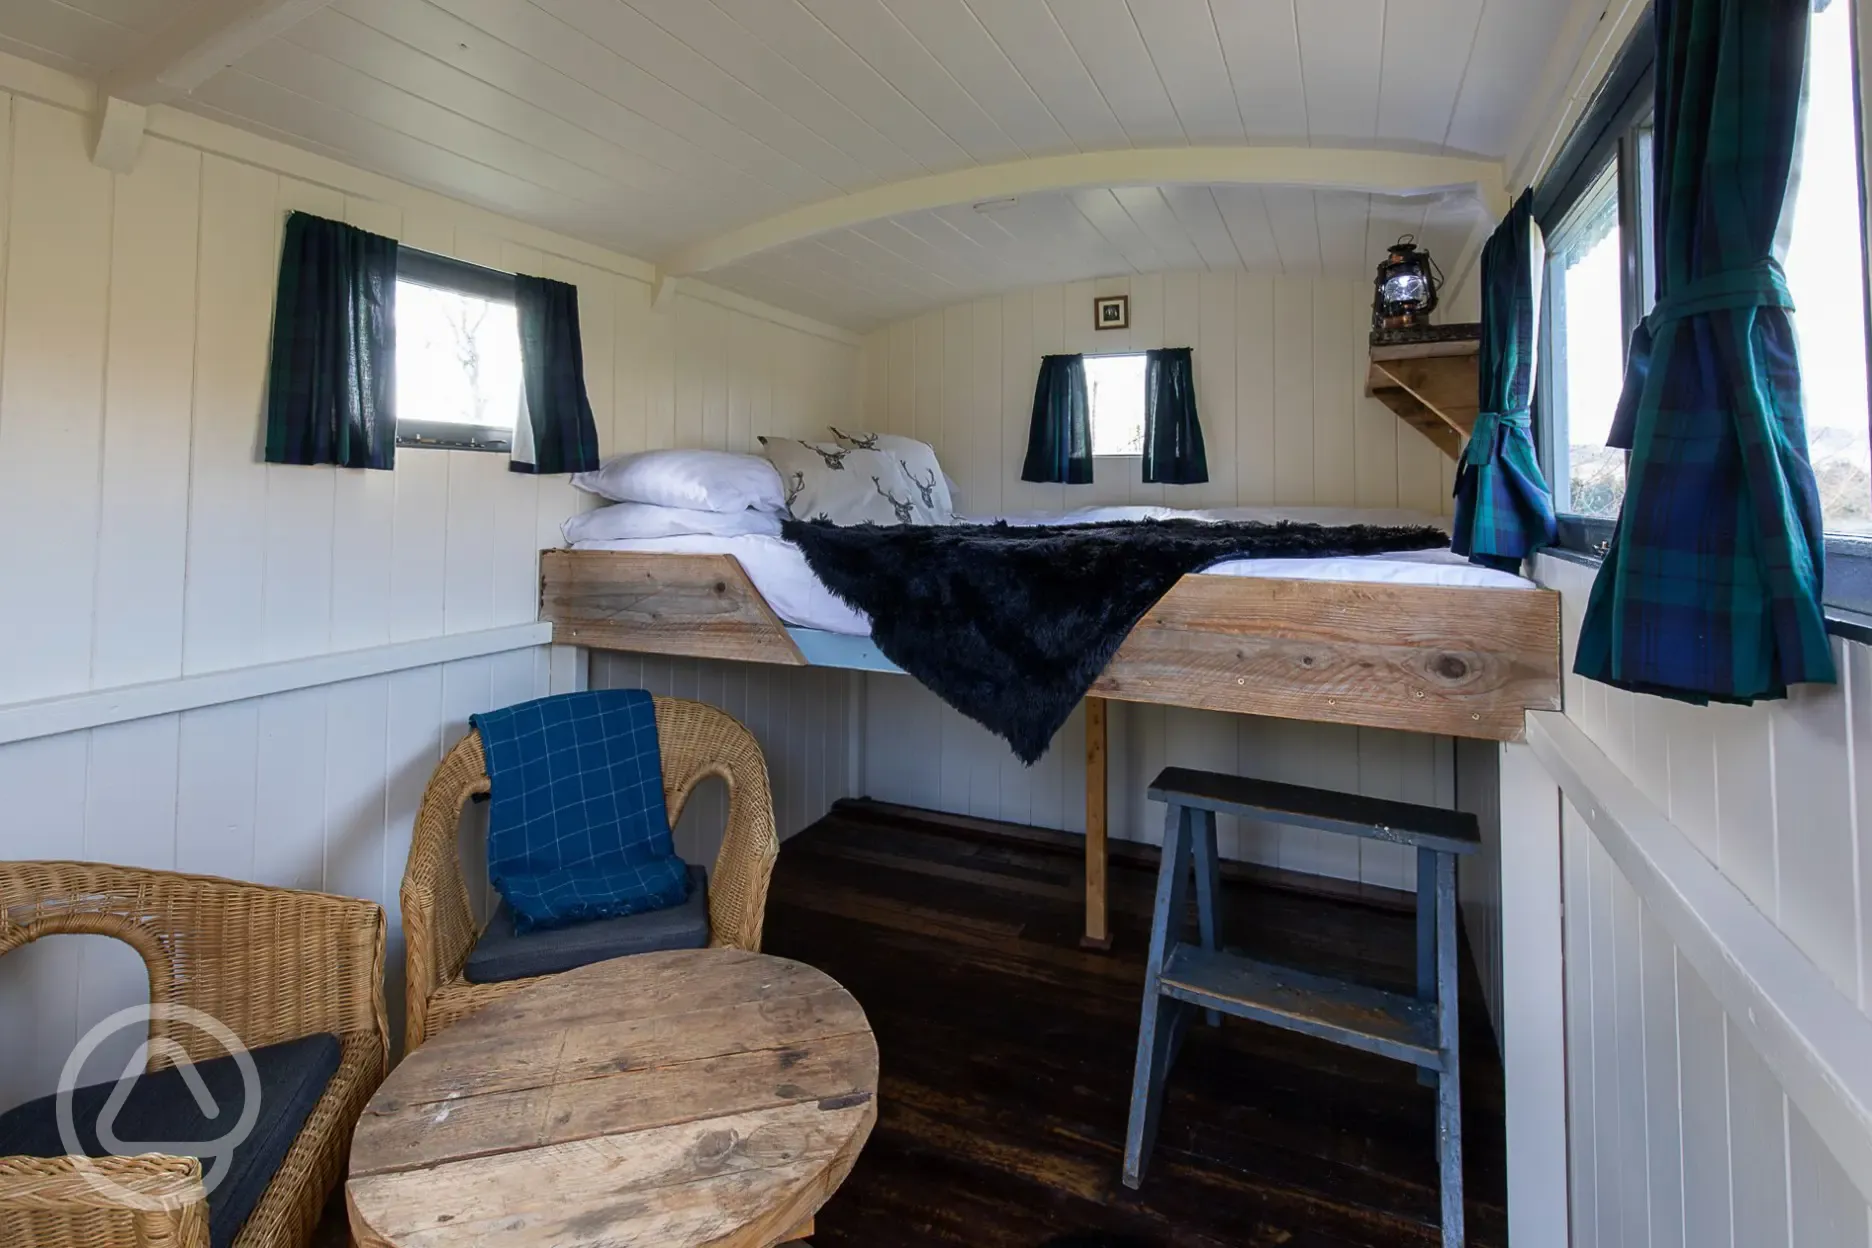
(1586, 334)
(1115, 391)
(1826, 241)
(458, 354)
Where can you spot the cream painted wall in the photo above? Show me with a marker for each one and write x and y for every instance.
(146, 542)
(1280, 366)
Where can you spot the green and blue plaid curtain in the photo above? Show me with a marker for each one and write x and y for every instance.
(1711, 590)
(1504, 510)
(556, 433)
(1173, 440)
(331, 380)
(1059, 439)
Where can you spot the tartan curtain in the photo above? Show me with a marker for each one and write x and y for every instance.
(1504, 510)
(1711, 590)
(331, 379)
(1173, 440)
(556, 432)
(1059, 439)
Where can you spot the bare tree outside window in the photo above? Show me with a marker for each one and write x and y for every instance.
(458, 358)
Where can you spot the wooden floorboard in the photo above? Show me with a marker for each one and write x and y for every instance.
(1007, 1052)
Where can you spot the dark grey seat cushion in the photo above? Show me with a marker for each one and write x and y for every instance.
(161, 1113)
(502, 954)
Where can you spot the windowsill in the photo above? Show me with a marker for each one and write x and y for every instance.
(1850, 625)
(1581, 557)
(1843, 622)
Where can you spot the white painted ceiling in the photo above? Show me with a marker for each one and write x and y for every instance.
(879, 272)
(645, 125)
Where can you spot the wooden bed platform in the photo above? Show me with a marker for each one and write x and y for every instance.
(1447, 660)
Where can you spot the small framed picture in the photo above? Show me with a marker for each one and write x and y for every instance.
(1112, 312)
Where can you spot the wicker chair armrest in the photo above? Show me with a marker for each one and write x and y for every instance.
(269, 963)
(699, 741)
(439, 927)
(152, 1201)
(291, 964)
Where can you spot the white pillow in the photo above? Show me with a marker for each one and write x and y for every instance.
(826, 481)
(933, 484)
(630, 521)
(698, 480)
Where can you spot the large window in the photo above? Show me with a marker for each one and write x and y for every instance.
(1585, 307)
(458, 354)
(1597, 205)
(1826, 246)
(1115, 390)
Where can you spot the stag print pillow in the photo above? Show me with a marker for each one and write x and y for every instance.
(933, 484)
(848, 485)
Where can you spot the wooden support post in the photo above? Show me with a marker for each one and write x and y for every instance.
(1098, 914)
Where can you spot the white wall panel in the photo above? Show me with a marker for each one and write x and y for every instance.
(1681, 1135)
(1280, 385)
(1779, 819)
(51, 400)
(1679, 1132)
(152, 543)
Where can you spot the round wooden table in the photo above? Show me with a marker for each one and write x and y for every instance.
(705, 1096)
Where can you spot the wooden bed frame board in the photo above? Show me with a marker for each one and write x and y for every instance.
(696, 606)
(1450, 660)
(1458, 661)
(1455, 661)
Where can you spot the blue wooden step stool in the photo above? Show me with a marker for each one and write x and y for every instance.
(1181, 977)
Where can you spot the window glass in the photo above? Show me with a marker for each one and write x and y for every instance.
(1825, 246)
(1115, 388)
(458, 360)
(1587, 330)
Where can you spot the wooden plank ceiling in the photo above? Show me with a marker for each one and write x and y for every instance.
(644, 125)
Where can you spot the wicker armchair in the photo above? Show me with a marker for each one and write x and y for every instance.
(697, 741)
(272, 964)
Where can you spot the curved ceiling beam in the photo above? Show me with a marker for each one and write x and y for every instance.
(1385, 172)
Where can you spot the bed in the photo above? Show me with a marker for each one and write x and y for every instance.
(1422, 642)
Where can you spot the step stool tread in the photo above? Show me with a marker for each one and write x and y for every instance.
(1388, 1023)
(1428, 827)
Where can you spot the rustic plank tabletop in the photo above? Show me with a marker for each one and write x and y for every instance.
(705, 1096)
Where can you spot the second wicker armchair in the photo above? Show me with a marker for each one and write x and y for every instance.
(271, 966)
(697, 741)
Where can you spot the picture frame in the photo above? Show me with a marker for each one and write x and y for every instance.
(1111, 312)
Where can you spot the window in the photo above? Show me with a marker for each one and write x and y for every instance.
(1826, 240)
(1586, 340)
(1115, 392)
(458, 354)
(1601, 280)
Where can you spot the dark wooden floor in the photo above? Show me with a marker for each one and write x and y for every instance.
(1007, 1053)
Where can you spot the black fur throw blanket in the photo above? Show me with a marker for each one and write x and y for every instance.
(1012, 625)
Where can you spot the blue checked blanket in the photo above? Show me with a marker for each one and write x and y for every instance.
(577, 829)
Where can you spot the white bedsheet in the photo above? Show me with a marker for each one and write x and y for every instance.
(779, 570)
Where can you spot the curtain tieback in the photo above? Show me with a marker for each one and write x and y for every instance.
(1761, 285)
(1487, 432)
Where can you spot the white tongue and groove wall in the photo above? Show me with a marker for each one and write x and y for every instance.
(1681, 966)
(1280, 366)
(147, 545)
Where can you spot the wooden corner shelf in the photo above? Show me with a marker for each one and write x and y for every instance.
(1431, 386)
